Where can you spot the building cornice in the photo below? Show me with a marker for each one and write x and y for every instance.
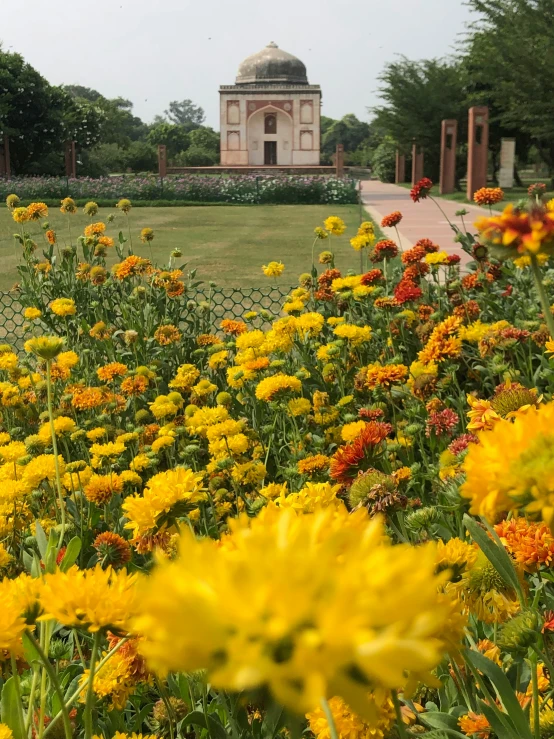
(265, 89)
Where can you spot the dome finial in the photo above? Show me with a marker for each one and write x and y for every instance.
(272, 45)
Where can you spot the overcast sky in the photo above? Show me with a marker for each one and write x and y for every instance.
(154, 51)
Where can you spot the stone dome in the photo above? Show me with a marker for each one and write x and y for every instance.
(272, 65)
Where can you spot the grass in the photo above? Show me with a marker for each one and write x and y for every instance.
(226, 244)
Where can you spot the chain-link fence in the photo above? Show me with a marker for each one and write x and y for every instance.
(232, 302)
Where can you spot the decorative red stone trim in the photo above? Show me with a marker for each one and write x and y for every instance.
(252, 106)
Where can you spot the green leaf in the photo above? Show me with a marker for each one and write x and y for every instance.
(10, 709)
(42, 541)
(497, 555)
(503, 690)
(437, 720)
(71, 554)
(29, 649)
(197, 718)
(503, 728)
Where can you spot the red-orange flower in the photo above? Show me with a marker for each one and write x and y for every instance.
(392, 220)
(352, 458)
(488, 195)
(233, 327)
(421, 189)
(475, 725)
(386, 249)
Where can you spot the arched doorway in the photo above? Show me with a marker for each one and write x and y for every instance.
(269, 137)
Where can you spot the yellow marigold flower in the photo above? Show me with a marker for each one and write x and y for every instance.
(525, 260)
(5, 557)
(68, 206)
(110, 371)
(31, 314)
(340, 284)
(360, 241)
(12, 623)
(202, 418)
(8, 361)
(146, 235)
(475, 725)
(351, 430)
(512, 467)
(20, 215)
(92, 599)
(217, 360)
(12, 451)
(437, 257)
(313, 464)
(482, 415)
(310, 324)
(41, 468)
(443, 341)
(163, 406)
(63, 426)
(68, 359)
(77, 479)
(186, 376)
(90, 209)
(351, 726)
(276, 385)
(12, 201)
(355, 335)
(293, 306)
(299, 406)
(485, 594)
(455, 555)
(203, 388)
(273, 269)
(321, 233)
(334, 225)
(490, 650)
(110, 449)
(335, 573)
(162, 442)
(336, 320)
(124, 206)
(165, 490)
(35, 211)
(45, 347)
(250, 340)
(63, 307)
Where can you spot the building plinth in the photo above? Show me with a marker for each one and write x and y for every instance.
(417, 163)
(477, 149)
(400, 168)
(449, 131)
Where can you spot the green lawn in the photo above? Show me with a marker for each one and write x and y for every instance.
(227, 244)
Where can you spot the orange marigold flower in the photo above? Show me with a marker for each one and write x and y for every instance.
(384, 375)
(415, 254)
(135, 385)
(313, 464)
(488, 195)
(233, 327)
(106, 241)
(112, 549)
(167, 334)
(208, 340)
(357, 456)
(482, 415)
(36, 211)
(100, 488)
(392, 220)
(256, 364)
(95, 229)
(86, 398)
(386, 302)
(385, 249)
(133, 266)
(109, 371)
(51, 236)
(475, 725)
(530, 544)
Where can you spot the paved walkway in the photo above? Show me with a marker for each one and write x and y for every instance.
(420, 220)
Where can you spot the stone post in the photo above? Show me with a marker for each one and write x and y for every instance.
(507, 161)
(477, 149)
(339, 160)
(417, 163)
(449, 130)
(400, 169)
(5, 170)
(162, 160)
(70, 159)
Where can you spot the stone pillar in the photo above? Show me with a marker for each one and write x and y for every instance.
(417, 163)
(477, 149)
(70, 159)
(400, 169)
(339, 160)
(162, 160)
(5, 169)
(449, 130)
(507, 161)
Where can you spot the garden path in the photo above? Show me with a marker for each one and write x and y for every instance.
(420, 220)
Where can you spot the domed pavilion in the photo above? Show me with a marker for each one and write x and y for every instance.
(271, 115)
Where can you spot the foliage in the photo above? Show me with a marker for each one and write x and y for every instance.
(239, 189)
(383, 160)
(196, 156)
(185, 113)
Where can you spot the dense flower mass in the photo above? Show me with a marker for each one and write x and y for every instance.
(341, 505)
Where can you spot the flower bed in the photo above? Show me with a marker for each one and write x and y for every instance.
(338, 520)
(192, 188)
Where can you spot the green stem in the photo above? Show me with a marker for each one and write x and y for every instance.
(537, 275)
(90, 691)
(55, 449)
(536, 697)
(55, 684)
(17, 684)
(329, 716)
(399, 720)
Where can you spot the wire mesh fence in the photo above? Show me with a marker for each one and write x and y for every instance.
(225, 302)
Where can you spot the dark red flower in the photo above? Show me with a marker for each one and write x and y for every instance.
(326, 278)
(508, 291)
(537, 189)
(428, 245)
(383, 250)
(421, 189)
(442, 422)
(372, 276)
(407, 290)
(453, 259)
(415, 271)
(413, 255)
(461, 443)
(370, 414)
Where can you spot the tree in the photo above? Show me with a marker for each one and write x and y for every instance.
(185, 113)
(175, 137)
(349, 131)
(417, 96)
(39, 117)
(205, 138)
(511, 67)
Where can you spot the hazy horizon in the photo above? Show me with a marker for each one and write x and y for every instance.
(183, 49)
